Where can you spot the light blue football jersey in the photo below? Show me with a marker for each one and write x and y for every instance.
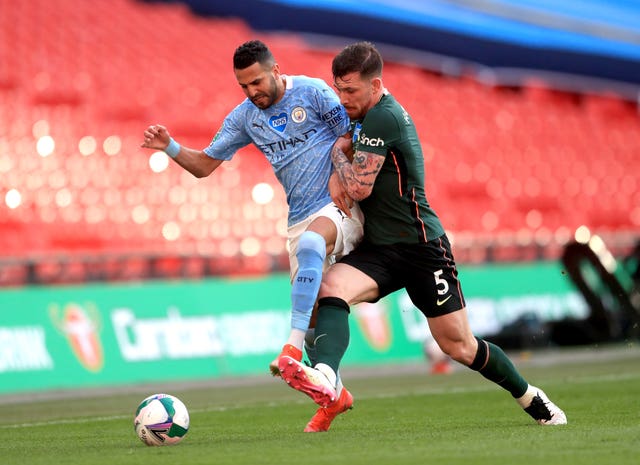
(296, 135)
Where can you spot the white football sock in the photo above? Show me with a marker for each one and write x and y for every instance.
(296, 338)
(328, 372)
(525, 400)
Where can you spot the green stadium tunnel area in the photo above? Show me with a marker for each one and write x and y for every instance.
(513, 170)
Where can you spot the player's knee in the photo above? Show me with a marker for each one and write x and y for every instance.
(459, 350)
(311, 243)
(330, 286)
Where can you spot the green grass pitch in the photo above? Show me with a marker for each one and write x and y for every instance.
(406, 417)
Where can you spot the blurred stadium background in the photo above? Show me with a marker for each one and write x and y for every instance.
(528, 113)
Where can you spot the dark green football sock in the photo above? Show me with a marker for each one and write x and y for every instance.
(492, 363)
(332, 331)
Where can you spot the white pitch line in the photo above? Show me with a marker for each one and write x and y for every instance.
(426, 390)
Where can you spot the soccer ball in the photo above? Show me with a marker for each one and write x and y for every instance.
(161, 419)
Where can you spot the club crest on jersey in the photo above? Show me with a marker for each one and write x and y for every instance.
(278, 122)
(298, 115)
(356, 132)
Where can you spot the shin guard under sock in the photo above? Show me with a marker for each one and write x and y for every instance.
(311, 253)
(492, 363)
(332, 331)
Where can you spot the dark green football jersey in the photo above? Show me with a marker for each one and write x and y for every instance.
(397, 210)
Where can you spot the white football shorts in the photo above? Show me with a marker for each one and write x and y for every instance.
(350, 231)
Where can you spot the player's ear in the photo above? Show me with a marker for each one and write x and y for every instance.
(376, 84)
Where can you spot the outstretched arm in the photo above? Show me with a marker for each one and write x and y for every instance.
(194, 161)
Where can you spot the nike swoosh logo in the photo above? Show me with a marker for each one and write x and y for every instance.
(441, 302)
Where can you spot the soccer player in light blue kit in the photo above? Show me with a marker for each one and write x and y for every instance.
(294, 121)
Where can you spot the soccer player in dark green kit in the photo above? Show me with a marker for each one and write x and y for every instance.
(404, 246)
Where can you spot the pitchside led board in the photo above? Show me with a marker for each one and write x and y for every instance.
(116, 334)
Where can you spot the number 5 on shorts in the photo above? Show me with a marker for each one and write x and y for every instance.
(441, 284)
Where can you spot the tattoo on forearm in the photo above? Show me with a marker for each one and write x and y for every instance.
(359, 175)
(342, 166)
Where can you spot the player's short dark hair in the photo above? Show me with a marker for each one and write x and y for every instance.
(361, 57)
(253, 51)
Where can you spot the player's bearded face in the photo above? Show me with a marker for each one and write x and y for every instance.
(265, 95)
(259, 85)
(356, 94)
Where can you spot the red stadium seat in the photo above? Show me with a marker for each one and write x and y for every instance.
(502, 164)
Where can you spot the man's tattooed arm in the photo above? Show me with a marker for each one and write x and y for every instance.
(357, 176)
